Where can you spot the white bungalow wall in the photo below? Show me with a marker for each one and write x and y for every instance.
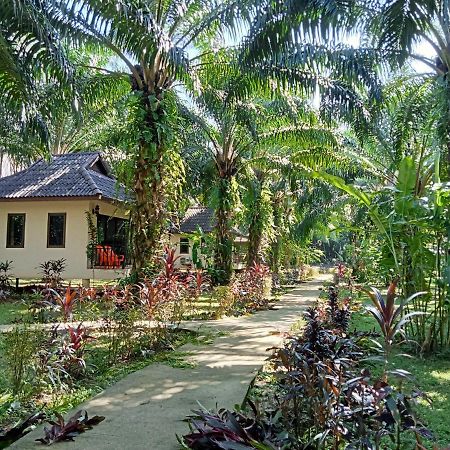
(185, 257)
(240, 245)
(26, 260)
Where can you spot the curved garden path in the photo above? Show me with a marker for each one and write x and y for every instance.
(146, 409)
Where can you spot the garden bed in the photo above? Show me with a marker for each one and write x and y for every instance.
(330, 387)
(65, 345)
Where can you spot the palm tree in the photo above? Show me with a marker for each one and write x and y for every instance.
(31, 52)
(399, 187)
(155, 42)
(238, 128)
(427, 21)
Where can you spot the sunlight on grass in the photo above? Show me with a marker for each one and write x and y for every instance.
(444, 376)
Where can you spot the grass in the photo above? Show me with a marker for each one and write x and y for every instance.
(11, 311)
(431, 375)
(99, 377)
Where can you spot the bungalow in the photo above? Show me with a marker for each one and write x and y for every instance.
(48, 212)
(200, 219)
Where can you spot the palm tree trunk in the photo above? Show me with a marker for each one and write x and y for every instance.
(276, 244)
(223, 255)
(148, 211)
(255, 231)
(254, 240)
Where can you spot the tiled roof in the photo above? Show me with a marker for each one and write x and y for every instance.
(197, 217)
(200, 217)
(70, 175)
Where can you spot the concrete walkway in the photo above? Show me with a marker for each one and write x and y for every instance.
(146, 409)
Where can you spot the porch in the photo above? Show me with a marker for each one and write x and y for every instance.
(110, 249)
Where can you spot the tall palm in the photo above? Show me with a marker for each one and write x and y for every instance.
(304, 45)
(154, 41)
(238, 129)
(399, 25)
(30, 52)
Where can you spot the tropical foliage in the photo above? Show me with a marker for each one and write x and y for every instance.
(317, 131)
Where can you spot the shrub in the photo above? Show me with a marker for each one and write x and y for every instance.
(224, 297)
(76, 346)
(52, 271)
(66, 431)
(64, 302)
(5, 276)
(321, 395)
(252, 288)
(390, 317)
(232, 430)
(19, 348)
(121, 334)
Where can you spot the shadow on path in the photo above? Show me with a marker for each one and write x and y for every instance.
(146, 409)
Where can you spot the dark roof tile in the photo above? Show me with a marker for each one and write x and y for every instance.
(70, 175)
(196, 217)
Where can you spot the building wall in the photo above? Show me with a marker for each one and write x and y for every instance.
(239, 252)
(26, 260)
(175, 243)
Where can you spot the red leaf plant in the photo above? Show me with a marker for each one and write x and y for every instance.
(65, 302)
(389, 316)
(67, 431)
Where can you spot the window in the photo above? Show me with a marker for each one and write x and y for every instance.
(15, 233)
(184, 246)
(114, 232)
(56, 230)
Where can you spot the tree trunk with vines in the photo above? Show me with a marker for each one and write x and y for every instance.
(223, 257)
(148, 211)
(254, 240)
(276, 244)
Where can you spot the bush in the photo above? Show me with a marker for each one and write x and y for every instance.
(223, 295)
(5, 276)
(52, 271)
(321, 396)
(252, 288)
(19, 348)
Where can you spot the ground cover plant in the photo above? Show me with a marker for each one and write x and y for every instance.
(56, 367)
(326, 389)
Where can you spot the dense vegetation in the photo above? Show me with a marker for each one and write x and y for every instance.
(318, 149)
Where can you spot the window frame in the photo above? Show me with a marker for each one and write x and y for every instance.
(188, 243)
(8, 230)
(64, 230)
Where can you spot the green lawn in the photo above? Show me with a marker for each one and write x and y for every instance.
(431, 375)
(10, 311)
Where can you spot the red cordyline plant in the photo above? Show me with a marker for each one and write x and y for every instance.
(341, 272)
(78, 338)
(66, 301)
(201, 282)
(150, 295)
(73, 350)
(389, 316)
(169, 279)
(88, 293)
(256, 276)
